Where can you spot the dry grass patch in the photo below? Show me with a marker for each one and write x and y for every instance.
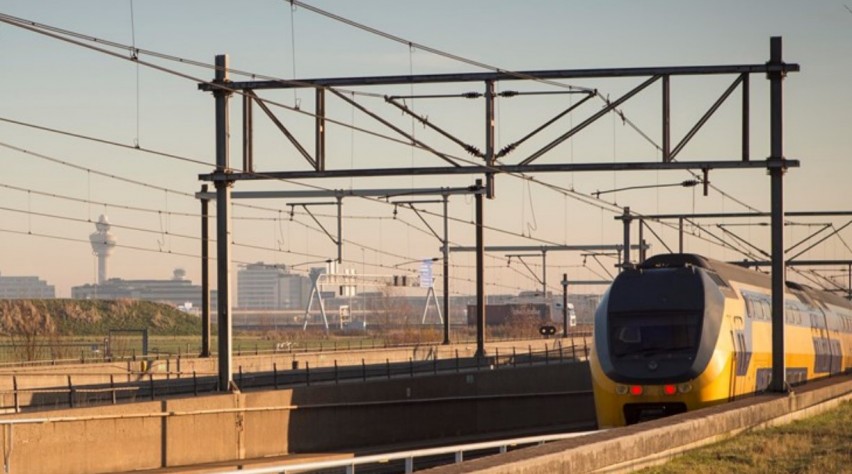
(818, 445)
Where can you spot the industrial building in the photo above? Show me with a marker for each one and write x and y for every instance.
(177, 292)
(25, 287)
(271, 286)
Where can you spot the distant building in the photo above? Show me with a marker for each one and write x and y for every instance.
(25, 287)
(176, 292)
(271, 286)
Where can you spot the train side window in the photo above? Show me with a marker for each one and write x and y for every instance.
(761, 309)
(767, 310)
(749, 307)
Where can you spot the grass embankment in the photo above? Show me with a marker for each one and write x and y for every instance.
(817, 445)
(67, 317)
(59, 329)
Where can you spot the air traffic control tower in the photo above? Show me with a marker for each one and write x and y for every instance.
(102, 245)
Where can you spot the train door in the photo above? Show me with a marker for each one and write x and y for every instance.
(741, 355)
(832, 329)
(821, 342)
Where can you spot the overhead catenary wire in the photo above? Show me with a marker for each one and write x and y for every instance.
(34, 26)
(37, 28)
(160, 188)
(574, 195)
(539, 182)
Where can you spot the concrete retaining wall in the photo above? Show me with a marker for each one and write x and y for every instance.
(319, 418)
(624, 449)
(56, 377)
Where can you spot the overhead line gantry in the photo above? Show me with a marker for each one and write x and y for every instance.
(224, 176)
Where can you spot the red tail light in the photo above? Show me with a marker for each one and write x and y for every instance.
(670, 389)
(636, 390)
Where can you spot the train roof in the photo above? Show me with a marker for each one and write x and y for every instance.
(732, 272)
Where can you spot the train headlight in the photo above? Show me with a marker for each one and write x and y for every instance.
(684, 387)
(621, 389)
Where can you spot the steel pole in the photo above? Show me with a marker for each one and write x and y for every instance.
(544, 275)
(776, 174)
(205, 275)
(666, 120)
(446, 251)
(489, 137)
(223, 224)
(339, 230)
(626, 263)
(564, 305)
(480, 277)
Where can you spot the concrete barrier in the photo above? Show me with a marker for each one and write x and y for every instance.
(628, 448)
(318, 418)
(48, 385)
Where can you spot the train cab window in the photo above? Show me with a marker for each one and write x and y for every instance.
(630, 335)
(643, 334)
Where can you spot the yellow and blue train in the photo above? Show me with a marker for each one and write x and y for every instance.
(681, 332)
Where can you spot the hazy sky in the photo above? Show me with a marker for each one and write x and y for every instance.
(54, 84)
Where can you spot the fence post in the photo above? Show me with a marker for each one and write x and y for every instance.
(241, 375)
(496, 357)
(336, 381)
(514, 357)
(561, 357)
(15, 388)
(275, 375)
(585, 347)
(70, 393)
(457, 360)
(112, 386)
(411, 366)
(435, 364)
(546, 355)
(529, 349)
(307, 373)
(387, 365)
(150, 383)
(363, 369)
(194, 384)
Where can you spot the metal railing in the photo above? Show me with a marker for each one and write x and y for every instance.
(408, 457)
(152, 385)
(95, 350)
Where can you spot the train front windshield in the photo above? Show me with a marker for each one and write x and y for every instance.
(651, 334)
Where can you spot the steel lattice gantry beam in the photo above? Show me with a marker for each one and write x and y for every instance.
(319, 166)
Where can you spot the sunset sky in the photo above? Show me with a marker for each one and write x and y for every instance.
(54, 187)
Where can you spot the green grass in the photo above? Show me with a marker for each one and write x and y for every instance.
(817, 445)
